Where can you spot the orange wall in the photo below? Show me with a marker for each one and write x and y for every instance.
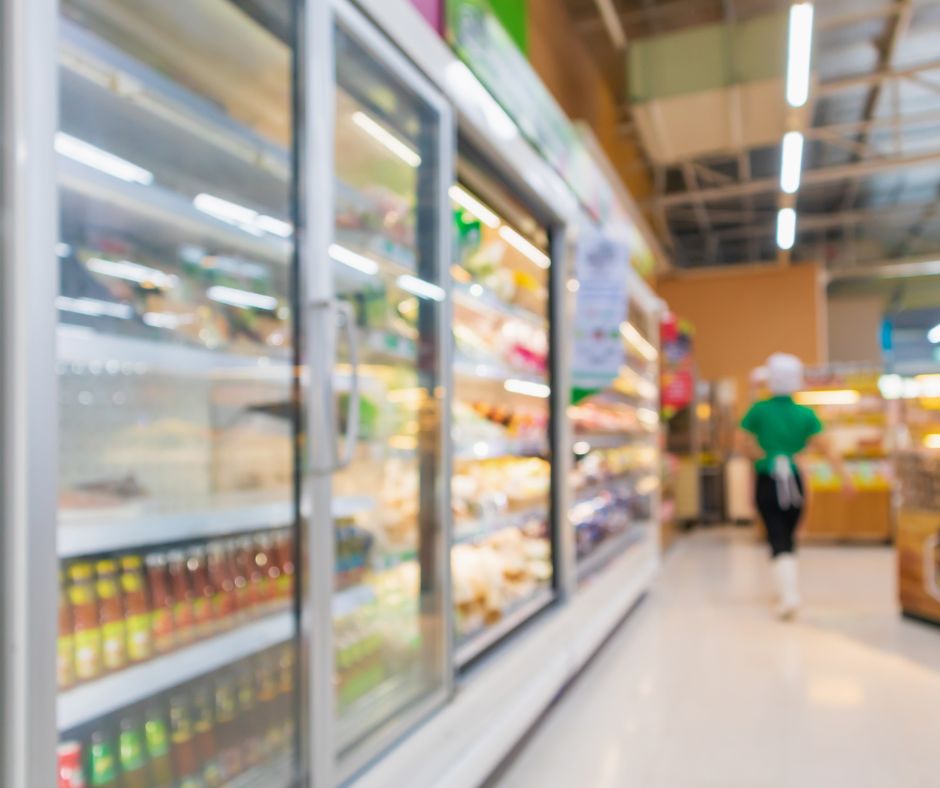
(562, 59)
(741, 317)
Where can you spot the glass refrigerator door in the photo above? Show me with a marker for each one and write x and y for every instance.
(178, 626)
(388, 501)
(502, 555)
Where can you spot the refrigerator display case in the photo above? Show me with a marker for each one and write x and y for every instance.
(178, 635)
(615, 473)
(501, 489)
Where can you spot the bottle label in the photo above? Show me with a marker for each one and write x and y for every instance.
(139, 638)
(103, 766)
(158, 744)
(132, 751)
(66, 660)
(162, 622)
(88, 653)
(114, 639)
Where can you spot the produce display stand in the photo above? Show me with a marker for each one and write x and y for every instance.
(856, 419)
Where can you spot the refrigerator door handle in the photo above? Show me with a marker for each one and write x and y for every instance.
(335, 313)
(347, 320)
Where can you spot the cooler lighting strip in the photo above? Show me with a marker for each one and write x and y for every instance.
(241, 216)
(242, 299)
(389, 141)
(833, 397)
(358, 262)
(133, 272)
(421, 288)
(528, 388)
(637, 341)
(92, 156)
(472, 205)
(522, 245)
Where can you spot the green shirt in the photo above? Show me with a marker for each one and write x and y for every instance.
(780, 427)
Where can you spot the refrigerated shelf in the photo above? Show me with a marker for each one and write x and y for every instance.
(479, 299)
(94, 699)
(611, 548)
(103, 531)
(481, 530)
(474, 644)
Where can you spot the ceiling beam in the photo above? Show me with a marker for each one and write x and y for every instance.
(874, 78)
(613, 23)
(924, 265)
(820, 176)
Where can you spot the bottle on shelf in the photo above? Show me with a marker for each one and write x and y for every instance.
(183, 622)
(241, 572)
(162, 603)
(226, 725)
(65, 646)
(247, 719)
(182, 743)
(132, 754)
(102, 761)
(203, 591)
(137, 611)
(204, 733)
(224, 605)
(70, 772)
(285, 553)
(86, 629)
(157, 741)
(111, 616)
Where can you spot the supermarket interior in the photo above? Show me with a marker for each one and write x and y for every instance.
(463, 393)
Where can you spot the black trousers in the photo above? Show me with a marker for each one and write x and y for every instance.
(779, 523)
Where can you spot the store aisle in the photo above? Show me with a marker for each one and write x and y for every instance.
(702, 687)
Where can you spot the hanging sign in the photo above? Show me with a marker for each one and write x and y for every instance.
(598, 352)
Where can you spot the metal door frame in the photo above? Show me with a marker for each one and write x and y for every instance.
(318, 101)
(28, 392)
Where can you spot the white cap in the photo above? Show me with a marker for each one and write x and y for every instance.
(784, 374)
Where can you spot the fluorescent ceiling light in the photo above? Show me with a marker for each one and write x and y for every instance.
(421, 288)
(91, 156)
(241, 216)
(133, 272)
(244, 299)
(94, 307)
(786, 228)
(792, 162)
(384, 137)
(351, 259)
(799, 53)
(933, 335)
(833, 397)
(638, 342)
(527, 388)
(472, 205)
(524, 246)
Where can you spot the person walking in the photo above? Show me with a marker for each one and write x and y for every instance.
(773, 433)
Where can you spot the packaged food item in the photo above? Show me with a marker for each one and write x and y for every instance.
(158, 748)
(132, 754)
(162, 604)
(65, 647)
(183, 746)
(69, 772)
(86, 629)
(102, 761)
(221, 578)
(111, 616)
(204, 730)
(203, 592)
(137, 613)
(183, 621)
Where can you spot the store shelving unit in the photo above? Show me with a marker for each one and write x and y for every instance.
(615, 476)
(502, 488)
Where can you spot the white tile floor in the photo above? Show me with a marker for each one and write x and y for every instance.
(702, 687)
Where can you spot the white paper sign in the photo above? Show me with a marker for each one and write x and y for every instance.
(601, 269)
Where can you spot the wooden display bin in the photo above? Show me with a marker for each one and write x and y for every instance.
(864, 516)
(918, 548)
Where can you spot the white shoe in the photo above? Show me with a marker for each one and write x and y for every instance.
(786, 575)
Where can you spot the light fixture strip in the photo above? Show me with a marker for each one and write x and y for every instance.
(524, 246)
(472, 205)
(387, 139)
(799, 53)
(791, 162)
(786, 228)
